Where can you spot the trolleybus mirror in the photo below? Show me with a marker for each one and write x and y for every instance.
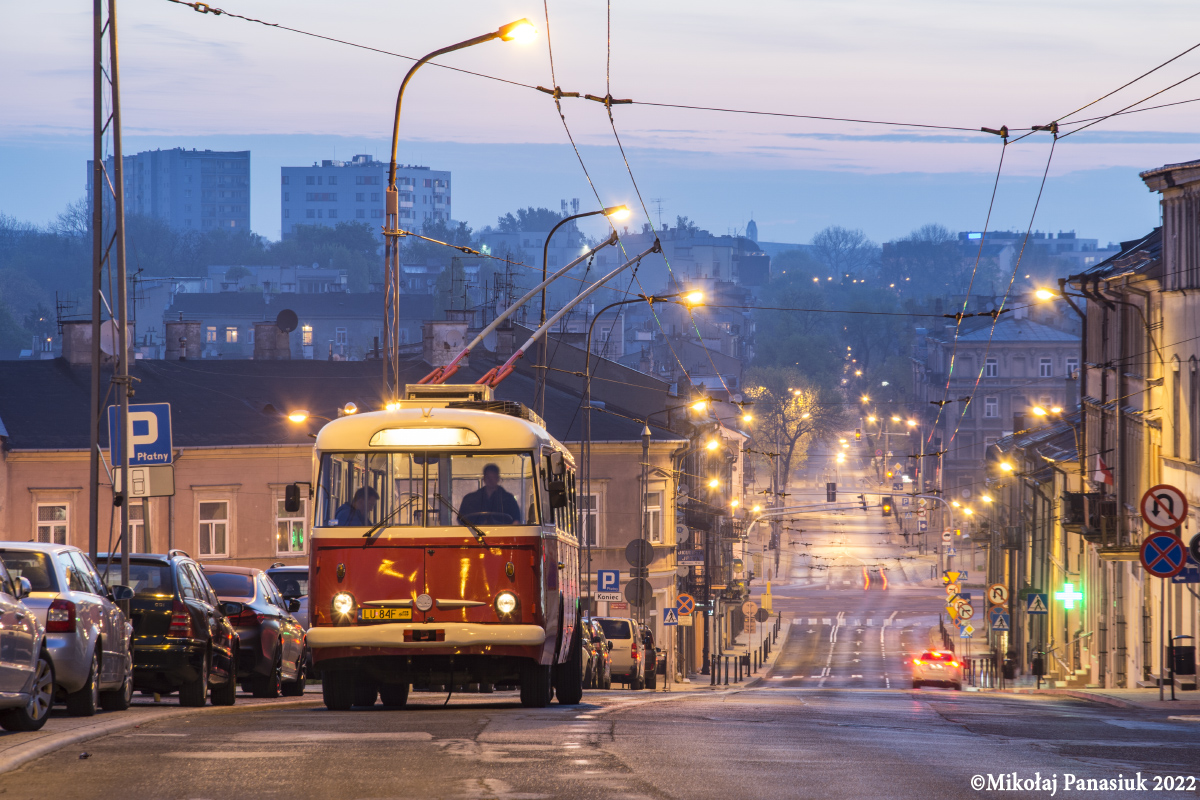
(558, 464)
(291, 498)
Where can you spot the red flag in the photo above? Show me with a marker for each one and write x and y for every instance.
(1103, 473)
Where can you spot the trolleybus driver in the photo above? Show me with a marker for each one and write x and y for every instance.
(491, 504)
(360, 508)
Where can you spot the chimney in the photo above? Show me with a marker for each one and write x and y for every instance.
(1018, 422)
(183, 340)
(442, 341)
(77, 343)
(270, 343)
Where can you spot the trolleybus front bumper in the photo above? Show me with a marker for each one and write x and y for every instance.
(391, 635)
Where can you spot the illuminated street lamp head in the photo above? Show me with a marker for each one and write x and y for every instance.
(858, 372)
(714, 483)
(912, 423)
(1041, 412)
(297, 415)
(986, 498)
(968, 511)
(617, 212)
(734, 503)
(756, 509)
(392, 405)
(866, 398)
(712, 444)
(954, 503)
(521, 32)
(871, 419)
(694, 298)
(349, 408)
(1056, 410)
(1045, 294)
(895, 418)
(699, 405)
(1007, 467)
(805, 415)
(747, 418)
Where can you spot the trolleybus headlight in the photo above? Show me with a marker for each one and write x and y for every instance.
(506, 604)
(343, 604)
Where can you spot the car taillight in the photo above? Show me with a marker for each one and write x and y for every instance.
(633, 650)
(917, 661)
(181, 622)
(954, 663)
(246, 619)
(60, 617)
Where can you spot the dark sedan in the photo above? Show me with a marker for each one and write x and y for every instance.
(271, 660)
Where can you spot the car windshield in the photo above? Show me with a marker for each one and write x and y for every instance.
(413, 489)
(146, 579)
(231, 584)
(290, 583)
(615, 628)
(33, 566)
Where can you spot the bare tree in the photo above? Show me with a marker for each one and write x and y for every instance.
(844, 251)
(790, 412)
(75, 220)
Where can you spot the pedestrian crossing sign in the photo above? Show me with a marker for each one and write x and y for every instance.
(999, 619)
(670, 617)
(1035, 603)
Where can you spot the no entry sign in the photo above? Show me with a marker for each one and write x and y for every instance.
(1163, 555)
(1164, 507)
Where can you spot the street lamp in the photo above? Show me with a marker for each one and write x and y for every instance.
(521, 31)
(300, 415)
(612, 212)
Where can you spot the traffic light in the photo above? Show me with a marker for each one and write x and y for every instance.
(887, 506)
(889, 473)
(862, 499)
(831, 492)
(857, 434)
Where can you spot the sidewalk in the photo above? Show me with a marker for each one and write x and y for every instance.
(701, 683)
(1187, 703)
(61, 730)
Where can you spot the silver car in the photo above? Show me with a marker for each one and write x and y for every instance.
(87, 635)
(26, 674)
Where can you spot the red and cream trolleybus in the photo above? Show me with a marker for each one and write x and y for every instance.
(444, 551)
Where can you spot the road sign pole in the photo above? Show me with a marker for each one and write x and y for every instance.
(1162, 616)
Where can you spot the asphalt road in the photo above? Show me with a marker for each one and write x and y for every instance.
(835, 718)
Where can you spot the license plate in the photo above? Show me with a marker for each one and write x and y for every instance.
(384, 614)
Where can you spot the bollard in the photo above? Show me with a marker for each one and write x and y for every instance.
(726, 670)
(712, 671)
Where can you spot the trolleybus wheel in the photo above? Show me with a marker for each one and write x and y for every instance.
(568, 684)
(394, 695)
(536, 686)
(337, 690)
(364, 693)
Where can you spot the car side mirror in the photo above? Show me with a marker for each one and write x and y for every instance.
(232, 609)
(293, 605)
(120, 592)
(610, 647)
(291, 498)
(24, 588)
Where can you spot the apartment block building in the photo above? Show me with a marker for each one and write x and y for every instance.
(196, 190)
(353, 191)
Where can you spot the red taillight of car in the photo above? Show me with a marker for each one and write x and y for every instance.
(60, 617)
(954, 663)
(917, 661)
(181, 622)
(246, 619)
(633, 653)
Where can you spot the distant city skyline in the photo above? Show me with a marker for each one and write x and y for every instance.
(193, 80)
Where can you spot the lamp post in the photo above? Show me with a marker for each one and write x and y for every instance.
(520, 31)
(612, 212)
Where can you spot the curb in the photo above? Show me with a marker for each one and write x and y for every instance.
(1078, 695)
(23, 754)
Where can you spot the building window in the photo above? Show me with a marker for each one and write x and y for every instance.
(369, 180)
(333, 213)
(1045, 368)
(332, 180)
(589, 508)
(309, 180)
(991, 407)
(210, 334)
(360, 213)
(310, 213)
(287, 213)
(52, 524)
(287, 196)
(1072, 367)
(289, 528)
(231, 335)
(377, 213)
(214, 528)
(654, 510)
(428, 182)
(285, 180)
(1176, 409)
(374, 197)
(339, 335)
(306, 335)
(250, 330)
(991, 368)
(360, 197)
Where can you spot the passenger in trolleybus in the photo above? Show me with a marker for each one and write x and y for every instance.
(491, 504)
(359, 509)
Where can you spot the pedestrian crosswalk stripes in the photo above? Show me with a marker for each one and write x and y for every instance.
(855, 623)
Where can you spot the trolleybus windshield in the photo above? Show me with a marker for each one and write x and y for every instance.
(487, 489)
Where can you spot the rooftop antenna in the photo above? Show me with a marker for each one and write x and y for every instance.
(658, 208)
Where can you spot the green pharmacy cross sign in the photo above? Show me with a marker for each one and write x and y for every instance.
(1068, 595)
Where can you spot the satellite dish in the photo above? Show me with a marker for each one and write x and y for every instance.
(287, 320)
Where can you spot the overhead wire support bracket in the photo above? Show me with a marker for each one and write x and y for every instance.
(557, 93)
(1002, 132)
(608, 100)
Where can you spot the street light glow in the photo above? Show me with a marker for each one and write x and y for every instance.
(734, 502)
(870, 419)
(895, 418)
(699, 405)
(521, 32)
(1041, 412)
(298, 415)
(841, 457)
(1045, 294)
(694, 298)
(866, 398)
(617, 212)
(986, 498)
(756, 509)
(1007, 467)
(714, 483)
(747, 418)
(393, 405)
(912, 423)
(712, 444)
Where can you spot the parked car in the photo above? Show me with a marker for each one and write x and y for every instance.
(272, 658)
(26, 672)
(292, 583)
(597, 654)
(182, 639)
(936, 668)
(651, 661)
(628, 654)
(87, 635)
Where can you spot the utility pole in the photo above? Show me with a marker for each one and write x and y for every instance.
(103, 249)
